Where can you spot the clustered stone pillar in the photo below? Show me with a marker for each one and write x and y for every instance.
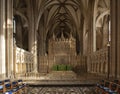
(9, 38)
(6, 38)
(115, 39)
(33, 49)
(2, 39)
(35, 55)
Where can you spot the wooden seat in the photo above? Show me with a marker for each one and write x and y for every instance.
(22, 86)
(116, 81)
(2, 88)
(108, 87)
(118, 89)
(8, 86)
(3, 85)
(113, 87)
(99, 86)
(20, 82)
(6, 80)
(14, 84)
(13, 91)
(1, 82)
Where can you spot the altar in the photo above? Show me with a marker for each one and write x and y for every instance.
(60, 51)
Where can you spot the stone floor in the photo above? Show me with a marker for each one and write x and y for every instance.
(83, 84)
(80, 79)
(61, 90)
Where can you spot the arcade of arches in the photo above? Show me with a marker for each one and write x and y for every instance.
(41, 36)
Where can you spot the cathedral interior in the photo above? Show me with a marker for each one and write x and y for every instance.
(59, 47)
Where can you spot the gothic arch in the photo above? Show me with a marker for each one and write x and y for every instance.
(101, 10)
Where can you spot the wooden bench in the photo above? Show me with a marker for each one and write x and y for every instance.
(106, 87)
(13, 87)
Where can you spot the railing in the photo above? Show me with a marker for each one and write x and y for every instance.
(24, 61)
(78, 63)
(81, 64)
(97, 62)
(33, 76)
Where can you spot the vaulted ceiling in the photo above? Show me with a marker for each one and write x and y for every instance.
(64, 16)
(58, 16)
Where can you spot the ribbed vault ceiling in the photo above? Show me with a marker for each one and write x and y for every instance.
(62, 16)
(58, 16)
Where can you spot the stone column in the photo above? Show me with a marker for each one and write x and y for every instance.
(32, 37)
(2, 39)
(94, 25)
(115, 39)
(7, 37)
(14, 60)
(118, 39)
(33, 49)
(35, 54)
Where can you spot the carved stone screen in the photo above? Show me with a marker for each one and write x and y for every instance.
(62, 49)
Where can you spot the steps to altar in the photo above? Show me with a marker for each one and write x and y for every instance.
(62, 78)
